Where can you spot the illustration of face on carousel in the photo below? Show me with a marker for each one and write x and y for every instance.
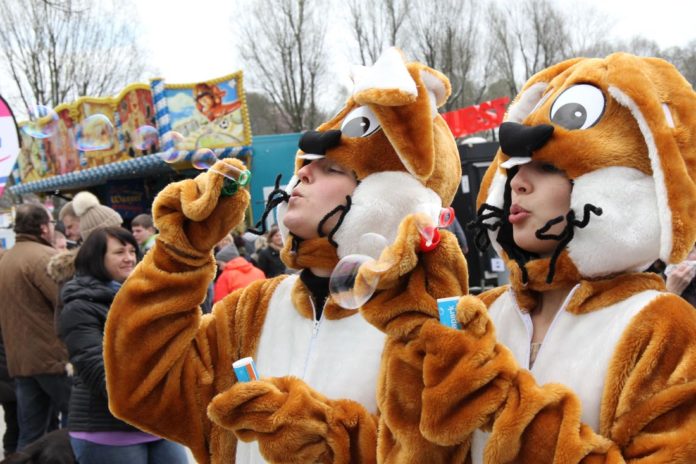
(207, 115)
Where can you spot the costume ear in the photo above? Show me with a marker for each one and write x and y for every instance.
(663, 102)
(533, 91)
(409, 126)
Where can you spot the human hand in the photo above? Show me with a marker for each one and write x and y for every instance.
(680, 277)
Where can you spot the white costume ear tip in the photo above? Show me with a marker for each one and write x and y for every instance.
(516, 161)
(356, 72)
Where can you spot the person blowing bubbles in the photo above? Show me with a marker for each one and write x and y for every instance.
(169, 369)
(585, 357)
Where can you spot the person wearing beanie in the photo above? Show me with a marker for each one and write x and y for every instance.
(92, 214)
(70, 221)
(237, 272)
(85, 215)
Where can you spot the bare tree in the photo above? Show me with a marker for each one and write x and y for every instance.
(534, 34)
(264, 116)
(56, 51)
(446, 36)
(684, 58)
(531, 37)
(376, 25)
(285, 56)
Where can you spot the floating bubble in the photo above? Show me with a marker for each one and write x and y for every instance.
(348, 288)
(175, 137)
(95, 133)
(372, 244)
(205, 158)
(172, 155)
(146, 138)
(43, 122)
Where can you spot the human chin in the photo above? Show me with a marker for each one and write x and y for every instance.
(299, 226)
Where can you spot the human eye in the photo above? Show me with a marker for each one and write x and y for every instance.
(549, 168)
(334, 168)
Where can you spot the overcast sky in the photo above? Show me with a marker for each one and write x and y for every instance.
(190, 41)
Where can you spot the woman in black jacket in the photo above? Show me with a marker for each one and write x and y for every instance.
(103, 263)
(269, 257)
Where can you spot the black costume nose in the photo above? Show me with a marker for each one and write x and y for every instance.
(317, 143)
(517, 140)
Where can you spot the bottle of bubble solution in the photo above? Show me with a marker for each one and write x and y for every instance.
(245, 370)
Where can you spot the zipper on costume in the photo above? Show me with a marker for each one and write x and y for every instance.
(315, 331)
(552, 326)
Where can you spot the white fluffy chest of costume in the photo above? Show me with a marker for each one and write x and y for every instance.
(570, 353)
(339, 358)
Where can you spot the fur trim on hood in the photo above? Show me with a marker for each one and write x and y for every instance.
(61, 267)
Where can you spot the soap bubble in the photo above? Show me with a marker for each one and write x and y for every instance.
(95, 133)
(43, 122)
(146, 138)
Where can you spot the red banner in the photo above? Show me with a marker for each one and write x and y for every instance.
(476, 118)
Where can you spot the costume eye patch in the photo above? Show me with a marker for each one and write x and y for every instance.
(578, 107)
(361, 122)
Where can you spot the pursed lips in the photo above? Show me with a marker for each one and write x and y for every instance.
(517, 214)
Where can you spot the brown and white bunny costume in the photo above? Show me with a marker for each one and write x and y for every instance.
(615, 378)
(169, 368)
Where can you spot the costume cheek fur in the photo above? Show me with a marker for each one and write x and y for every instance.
(627, 198)
(376, 210)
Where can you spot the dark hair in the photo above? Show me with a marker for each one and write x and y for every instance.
(29, 218)
(272, 231)
(142, 220)
(90, 257)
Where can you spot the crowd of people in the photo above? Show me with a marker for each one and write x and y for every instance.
(61, 277)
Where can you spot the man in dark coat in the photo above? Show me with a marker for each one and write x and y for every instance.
(36, 358)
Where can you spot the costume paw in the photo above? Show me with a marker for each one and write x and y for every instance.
(468, 362)
(409, 291)
(398, 259)
(286, 417)
(192, 216)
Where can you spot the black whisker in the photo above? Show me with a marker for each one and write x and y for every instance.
(566, 234)
(276, 197)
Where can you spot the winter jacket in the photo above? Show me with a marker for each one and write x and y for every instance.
(238, 273)
(29, 300)
(81, 325)
(270, 262)
(61, 268)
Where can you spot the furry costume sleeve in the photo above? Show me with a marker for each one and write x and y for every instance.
(648, 411)
(165, 362)
(407, 301)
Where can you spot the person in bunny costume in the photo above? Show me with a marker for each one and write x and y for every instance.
(584, 357)
(386, 155)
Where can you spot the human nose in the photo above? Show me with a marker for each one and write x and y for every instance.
(521, 182)
(306, 173)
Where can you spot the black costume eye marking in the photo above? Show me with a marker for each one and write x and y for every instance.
(361, 122)
(578, 107)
